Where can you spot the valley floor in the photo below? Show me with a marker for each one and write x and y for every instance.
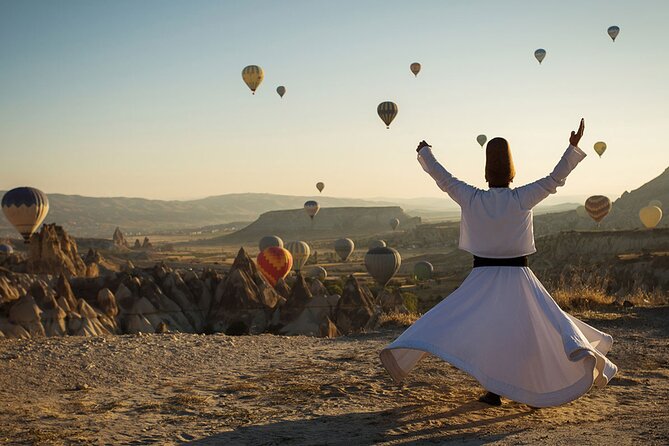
(207, 390)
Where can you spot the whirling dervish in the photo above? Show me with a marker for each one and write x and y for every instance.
(501, 325)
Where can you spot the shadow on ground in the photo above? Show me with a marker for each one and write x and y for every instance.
(407, 425)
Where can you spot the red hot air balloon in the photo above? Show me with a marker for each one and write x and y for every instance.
(274, 263)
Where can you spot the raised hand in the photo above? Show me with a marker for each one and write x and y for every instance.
(421, 145)
(576, 136)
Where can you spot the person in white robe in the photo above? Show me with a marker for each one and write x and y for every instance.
(501, 325)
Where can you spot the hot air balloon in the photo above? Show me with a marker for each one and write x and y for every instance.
(300, 252)
(598, 207)
(387, 112)
(650, 216)
(318, 272)
(415, 68)
(382, 264)
(540, 54)
(5, 249)
(423, 270)
(394, 223)
(281, 90)
(600, 148)
(253, 76)
(25, 208)
(270, 240)
(613, 32)
(657, 203)
(344, 248)
(581, 212)
(481, 139)
(311, 208)
(377, 244)
(320, 186)
(274, 263)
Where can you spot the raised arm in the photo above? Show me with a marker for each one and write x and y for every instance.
(459, 191)
(532, 194)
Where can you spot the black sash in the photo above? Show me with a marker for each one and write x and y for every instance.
(514, 261)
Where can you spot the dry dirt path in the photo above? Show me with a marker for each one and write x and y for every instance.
(183, 389)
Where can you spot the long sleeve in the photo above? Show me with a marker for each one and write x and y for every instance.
(458, 190)
(532, 194)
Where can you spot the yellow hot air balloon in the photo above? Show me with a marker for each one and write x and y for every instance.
(300, 252)
(650, 216)
(600, 148)
(281, 90)
(540, 54)
(387, 112)
(415, 68)
(253, 76)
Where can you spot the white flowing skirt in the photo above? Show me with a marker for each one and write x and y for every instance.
(502, 327)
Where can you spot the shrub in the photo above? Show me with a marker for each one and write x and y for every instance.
(410, 301)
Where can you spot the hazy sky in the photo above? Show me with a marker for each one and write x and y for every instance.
(145, 98)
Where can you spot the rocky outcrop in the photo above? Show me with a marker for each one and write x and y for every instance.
(120, 243)
(355, 309)
(391, 301)
(52, 251)
(147, 244)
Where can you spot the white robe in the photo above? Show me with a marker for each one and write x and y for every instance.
(501, 325)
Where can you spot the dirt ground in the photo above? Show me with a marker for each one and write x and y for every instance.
(179, 389)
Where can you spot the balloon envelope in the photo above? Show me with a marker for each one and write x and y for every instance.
(613, 32)
(382, 264)
(311, 208)
(6, 249)
(481, 139)
(415, 68)
(320, 186)
(387, 112)
(540, 54)
(600, 148)
(270, 240)
(377, 244)
(657, 203)
(318, 272)
(300, 252)
(281, 90)
(274, 263)
(598, 207)
(344, 248)
(25, 208)
(423, 270)
(253, 76)
(650, 216)
(394, 223)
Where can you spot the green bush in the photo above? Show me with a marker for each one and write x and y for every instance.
(410, 301)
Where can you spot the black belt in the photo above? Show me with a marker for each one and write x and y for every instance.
(513, 261)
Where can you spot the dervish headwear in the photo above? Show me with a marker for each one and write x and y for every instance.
(499, 170)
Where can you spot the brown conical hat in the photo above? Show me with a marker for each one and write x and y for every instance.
(499, 170)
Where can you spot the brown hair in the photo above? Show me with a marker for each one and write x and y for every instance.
(499, 170)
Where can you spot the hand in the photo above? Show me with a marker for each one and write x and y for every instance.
(576, 136)
(421, 145)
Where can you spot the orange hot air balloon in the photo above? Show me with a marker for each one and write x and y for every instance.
(274, 263)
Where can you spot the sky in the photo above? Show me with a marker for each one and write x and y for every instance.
(145, 98)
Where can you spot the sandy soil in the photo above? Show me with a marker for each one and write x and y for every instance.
(208, 390)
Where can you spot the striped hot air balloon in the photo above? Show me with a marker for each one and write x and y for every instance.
(253, 76)
(377, 244)
(300, 252)
(274, 263)
(387, 112)
(25, 208)
(311, 207)
(598, 207)
(270, 240)
(344, 248)
(394, 223)
(382, 264)
(318, 272)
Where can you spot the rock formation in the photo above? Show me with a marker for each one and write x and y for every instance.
(52, 251)
(120, 243)
(355, 309)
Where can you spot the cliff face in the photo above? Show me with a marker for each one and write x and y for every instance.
(329, 222)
